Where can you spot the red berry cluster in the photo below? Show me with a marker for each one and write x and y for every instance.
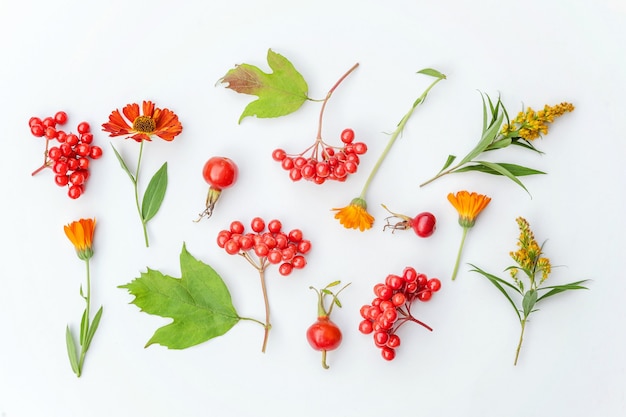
(271, 246)
(391, 307)
(321, 162)
(70, 159)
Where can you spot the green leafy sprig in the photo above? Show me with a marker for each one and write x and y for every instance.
(536, 268)
(499, 133)
(154, 194)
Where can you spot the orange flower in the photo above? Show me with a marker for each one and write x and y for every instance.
(152, 121)
(469, 206)
(80, 233)
(355, 215)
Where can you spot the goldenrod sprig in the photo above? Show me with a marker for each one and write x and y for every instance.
(499, 132)
(529, 258)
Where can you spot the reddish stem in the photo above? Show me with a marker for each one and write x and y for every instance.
(330, 93)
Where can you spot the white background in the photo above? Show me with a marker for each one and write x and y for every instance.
(88, 58)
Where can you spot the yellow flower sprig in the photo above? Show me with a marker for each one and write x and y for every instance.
(469, 206)
(81, 233)
(529, 259)
(498, 133)
(355, 214)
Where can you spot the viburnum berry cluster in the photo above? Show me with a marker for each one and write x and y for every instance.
(267, 244)
(391, 308)
(70, 159)
(321, 162)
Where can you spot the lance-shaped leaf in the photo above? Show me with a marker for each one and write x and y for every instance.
(155, 193)
(199, 303)
(279, 93)
(516, 170)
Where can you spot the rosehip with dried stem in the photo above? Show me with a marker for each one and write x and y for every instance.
(423, 224)
(220, 173)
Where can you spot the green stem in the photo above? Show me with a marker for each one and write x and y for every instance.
(83, 350)
(394, 136)
(135, 184)
(521, 338)
(458, 256)
(267, 325)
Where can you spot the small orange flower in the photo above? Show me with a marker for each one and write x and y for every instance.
(469, 206)
(80, 233)
(355, 215)
(151, 121)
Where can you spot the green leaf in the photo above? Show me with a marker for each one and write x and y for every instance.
(488, 136)
(84, 326)
(92, 329)
(529, 301)
(432, 73)
(497, 282)
(279, 93)
(499, 144)
(502, 171)
(71, 350)
(199, 303)
(516, 170)
(555, 289)
(333, 284)
(123, 164)
(155, 193)
(449, 162)
(525, 144)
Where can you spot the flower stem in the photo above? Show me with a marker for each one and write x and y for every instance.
(458, 256)
(135, 184)
(330, 93)
(83, 348)
(521, 338)
(394, 136)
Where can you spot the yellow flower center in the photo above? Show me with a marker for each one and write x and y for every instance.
(144, 124)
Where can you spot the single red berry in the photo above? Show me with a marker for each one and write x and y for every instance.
(48, 122)
(424, 295)
(83, 127)
(86, 138)
(232, 247)
(51, 133)
(388, 353)
(95, 152)
(278, 155)
(347, 136)
(304, 246)
(237, 227)
(60, 117)
(359, 148)
(77, 178)
(61, 180)
(433, 284)
(82, 149)
(298, 262)
(257, 224)
(54, 153)
(285, 268)
(274, 226)
(324, 334)
(365, 327)
(295, 235)
(424, 224)
(34, 121)
(394, 341)
(37, 130)
(71, 139)
(75, 191)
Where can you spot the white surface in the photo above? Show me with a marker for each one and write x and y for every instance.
(89, 58)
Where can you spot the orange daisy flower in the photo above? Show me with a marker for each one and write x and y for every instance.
(355, 215)
(150, 121)
(469, 206)
(80, 233)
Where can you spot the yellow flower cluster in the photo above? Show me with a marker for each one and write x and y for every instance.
(532, 124)
(528, 256)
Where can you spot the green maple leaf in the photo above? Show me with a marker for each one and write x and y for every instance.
(199, 302)
(281, 92)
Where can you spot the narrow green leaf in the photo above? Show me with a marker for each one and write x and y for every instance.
(155, 193)
(123, 164)
(503, 171)
(485, 141)
(449, 162)
(516, 170)
(499, 144)
(84, 326)
(333, 284)
(482, 96)
(71, 350)
(337, 302)
(93, 328)
(497, 282)
(556, 289)
(325, 291)
(526, 145)
(432, 73)
(529, 301)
